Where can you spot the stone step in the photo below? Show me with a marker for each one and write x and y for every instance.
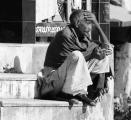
(32, 109)
(17, 85)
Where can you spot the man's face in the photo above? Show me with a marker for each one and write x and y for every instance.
(84, 28)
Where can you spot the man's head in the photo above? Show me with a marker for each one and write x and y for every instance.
(76, 16)
(84, 27)
(79, 21)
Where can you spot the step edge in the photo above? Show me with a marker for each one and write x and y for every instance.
(17, 77)
(34, 103)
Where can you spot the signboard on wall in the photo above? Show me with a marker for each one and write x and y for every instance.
(49, 29)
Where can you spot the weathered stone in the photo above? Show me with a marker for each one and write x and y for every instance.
(31, 109)
(22, 86)
(123, 69)
(17, 85)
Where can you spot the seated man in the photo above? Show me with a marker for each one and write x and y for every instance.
(70, 58)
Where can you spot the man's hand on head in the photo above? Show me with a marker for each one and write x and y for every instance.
(90, 17)
(105, 48)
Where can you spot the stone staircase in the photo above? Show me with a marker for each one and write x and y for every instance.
(17, 91)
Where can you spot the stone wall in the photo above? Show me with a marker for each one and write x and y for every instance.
(25, 58)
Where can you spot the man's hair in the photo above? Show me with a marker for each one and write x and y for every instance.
(77, 16)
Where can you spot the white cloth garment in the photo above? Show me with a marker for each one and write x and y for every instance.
(97, 66)
(73, 76)
(78, 74)
(45, 9)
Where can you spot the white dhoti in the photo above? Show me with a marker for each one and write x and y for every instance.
(73, 76)
(78, 72)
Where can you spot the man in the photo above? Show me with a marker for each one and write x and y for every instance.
(70, 58)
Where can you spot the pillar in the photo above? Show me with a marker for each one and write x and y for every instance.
(28, 21)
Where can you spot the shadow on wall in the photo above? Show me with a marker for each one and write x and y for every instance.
(17, 65)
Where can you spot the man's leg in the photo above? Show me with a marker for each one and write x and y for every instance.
(72, 77)
(98, 68)
(77, 74)
(77, 77)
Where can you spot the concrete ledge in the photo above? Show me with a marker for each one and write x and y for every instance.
(20, 109)
(17, 85)
(34, 109)
(32, 103)
(17, 77)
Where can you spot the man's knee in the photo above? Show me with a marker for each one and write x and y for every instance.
(77, 55)
(102, 66)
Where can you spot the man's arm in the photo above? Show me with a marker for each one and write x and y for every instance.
(91, 17)
(105, 47)
(88, 53)
(104, 39)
